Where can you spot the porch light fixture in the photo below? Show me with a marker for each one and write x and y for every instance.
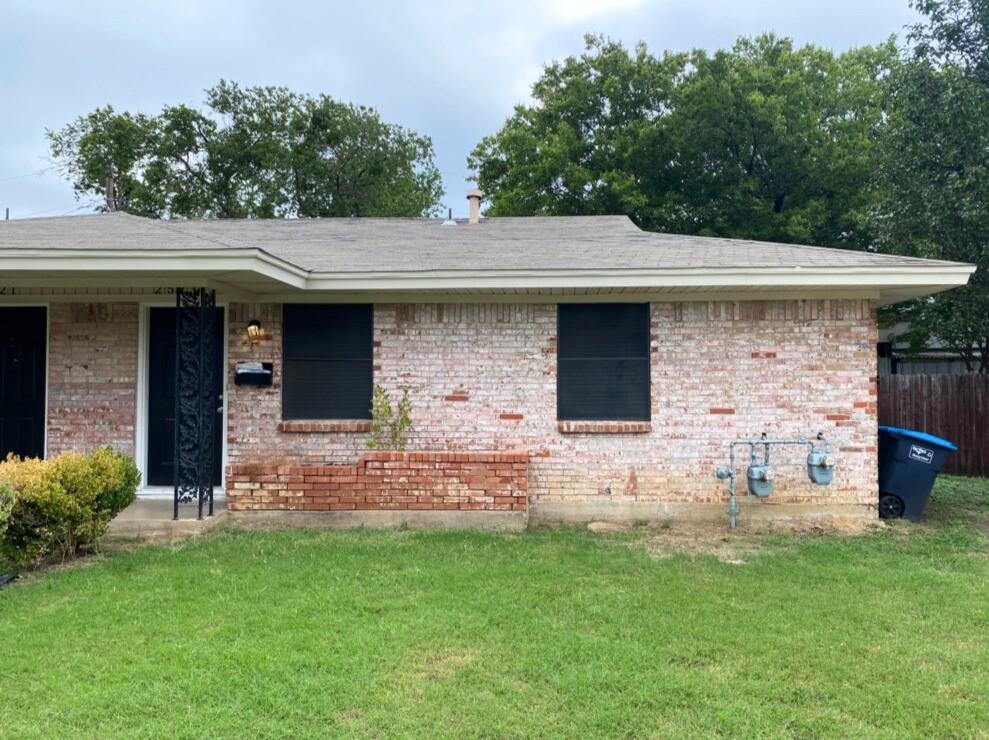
(255, 333)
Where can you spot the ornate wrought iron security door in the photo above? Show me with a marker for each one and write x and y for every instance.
(196, 398)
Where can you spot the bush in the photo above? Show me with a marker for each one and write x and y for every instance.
(389, 427)
(6, 504)
(120, 479)
(65, 503)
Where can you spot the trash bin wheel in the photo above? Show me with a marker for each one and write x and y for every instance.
(890, 507)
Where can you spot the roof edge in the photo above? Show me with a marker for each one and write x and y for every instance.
(898, 282)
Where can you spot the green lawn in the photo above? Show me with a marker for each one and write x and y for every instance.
(556, 633)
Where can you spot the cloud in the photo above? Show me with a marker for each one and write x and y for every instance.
(447, 68)
(573, 11)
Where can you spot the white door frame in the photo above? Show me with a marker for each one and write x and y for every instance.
(143, 370)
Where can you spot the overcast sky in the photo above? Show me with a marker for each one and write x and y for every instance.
(452, 70)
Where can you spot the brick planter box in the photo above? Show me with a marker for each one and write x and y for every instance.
(386, 481)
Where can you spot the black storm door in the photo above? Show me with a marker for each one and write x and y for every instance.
(161, 397)
(23, 332)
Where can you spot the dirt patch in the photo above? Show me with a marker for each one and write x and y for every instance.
(696, 538)
(443, 665)
(609, 527)
(666, 539)
(838, 527)
(36, 573)
(424, 668)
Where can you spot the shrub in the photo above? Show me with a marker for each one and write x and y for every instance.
(6, 504)
(120, 479)
(65, 503)
(388, 427)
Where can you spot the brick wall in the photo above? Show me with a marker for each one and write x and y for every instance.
(482, 378)
(92, 376)
(389, 481)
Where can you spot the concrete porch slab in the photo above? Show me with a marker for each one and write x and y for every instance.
(151, 520)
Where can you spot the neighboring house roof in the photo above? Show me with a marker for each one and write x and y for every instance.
(897, 336)
(528, 255)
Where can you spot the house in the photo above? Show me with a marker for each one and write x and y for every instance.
(568, 368)
(898, 357)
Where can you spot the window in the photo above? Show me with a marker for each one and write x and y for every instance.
(326, 350)
(603, 362)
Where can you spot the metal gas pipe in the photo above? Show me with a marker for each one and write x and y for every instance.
(760, 475)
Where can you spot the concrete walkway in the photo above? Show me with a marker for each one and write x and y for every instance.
(151, 520)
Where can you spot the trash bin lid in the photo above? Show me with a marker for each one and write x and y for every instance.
(920, 437)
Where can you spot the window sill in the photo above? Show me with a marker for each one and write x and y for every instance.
(325, 427)
(604, 427)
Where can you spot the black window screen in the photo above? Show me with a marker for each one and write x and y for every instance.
(327, 356)
(603, 362)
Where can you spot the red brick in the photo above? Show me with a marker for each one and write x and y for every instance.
(484, 474)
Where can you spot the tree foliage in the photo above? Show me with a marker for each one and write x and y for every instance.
(764, 141)
(874, 148)
(104, 146)
(932, 181)
(259, 152)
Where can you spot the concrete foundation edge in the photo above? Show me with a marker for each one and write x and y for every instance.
(551, 512)
(499, 521)
(651, 511)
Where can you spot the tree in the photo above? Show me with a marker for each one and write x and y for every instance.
(256, 152)
(345, 161)
(105, 147)
(775, 142)
(932, 182)
(762, 141)
(591, 144)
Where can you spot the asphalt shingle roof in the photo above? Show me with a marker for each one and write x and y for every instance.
(341, 245)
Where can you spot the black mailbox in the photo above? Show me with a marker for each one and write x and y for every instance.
(253, 373)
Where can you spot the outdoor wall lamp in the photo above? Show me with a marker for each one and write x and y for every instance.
(255, 332)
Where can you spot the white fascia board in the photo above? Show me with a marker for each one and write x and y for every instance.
(202, 264)
(937, 277)
(197, 262)
(603, 295)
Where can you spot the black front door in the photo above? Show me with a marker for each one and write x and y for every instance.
(161, 397)
(23, 332)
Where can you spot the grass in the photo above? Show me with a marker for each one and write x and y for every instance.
(546, 633)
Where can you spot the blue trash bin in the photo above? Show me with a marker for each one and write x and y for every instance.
(909, 463)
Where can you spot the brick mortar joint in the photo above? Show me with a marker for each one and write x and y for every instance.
(342, 426)
(604, 427)
(386, 481)
(463, 458)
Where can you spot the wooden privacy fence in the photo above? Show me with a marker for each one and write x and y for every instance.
(955, 407)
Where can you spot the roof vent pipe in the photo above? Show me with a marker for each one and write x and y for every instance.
(474, 198)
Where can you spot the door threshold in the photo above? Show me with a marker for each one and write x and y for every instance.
(167, 492)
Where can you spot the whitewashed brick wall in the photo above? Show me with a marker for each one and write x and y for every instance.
(482, 377)
(92, 376)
